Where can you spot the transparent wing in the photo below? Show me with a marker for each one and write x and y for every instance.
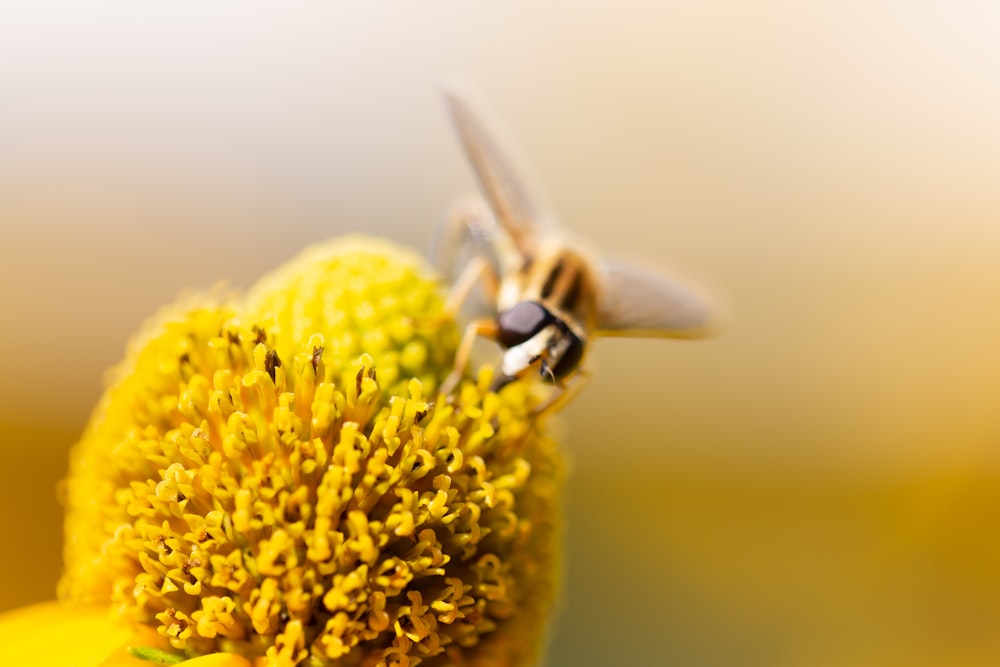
(638, 302)
(519, 206)
(468, 232)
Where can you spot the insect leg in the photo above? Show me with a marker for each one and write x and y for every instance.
(484, 327)
(565, 391)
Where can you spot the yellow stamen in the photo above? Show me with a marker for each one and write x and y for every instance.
(275, 478)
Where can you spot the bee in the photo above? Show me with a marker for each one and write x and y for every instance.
(547, 295)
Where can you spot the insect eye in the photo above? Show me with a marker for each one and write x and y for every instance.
(521, 322)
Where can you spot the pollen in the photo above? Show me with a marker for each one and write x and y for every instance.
(274, 476)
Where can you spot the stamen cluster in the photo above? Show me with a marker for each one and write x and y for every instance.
(269, 477)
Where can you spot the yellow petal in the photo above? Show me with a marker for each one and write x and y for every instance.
(124, 658)
(52, 634)
(57, 635)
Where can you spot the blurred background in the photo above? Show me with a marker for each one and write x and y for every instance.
(818, 486)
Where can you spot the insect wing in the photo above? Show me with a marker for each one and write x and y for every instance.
(641, 303)
(519, 207)
(469, 232)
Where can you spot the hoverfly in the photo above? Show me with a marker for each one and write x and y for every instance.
(547, 294)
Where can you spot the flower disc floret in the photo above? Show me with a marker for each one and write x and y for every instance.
(274, 477)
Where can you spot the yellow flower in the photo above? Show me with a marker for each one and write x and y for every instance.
(273, 480)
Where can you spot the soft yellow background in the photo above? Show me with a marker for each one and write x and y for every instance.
(816, 487)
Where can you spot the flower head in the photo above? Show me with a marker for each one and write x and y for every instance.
(274, 477)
